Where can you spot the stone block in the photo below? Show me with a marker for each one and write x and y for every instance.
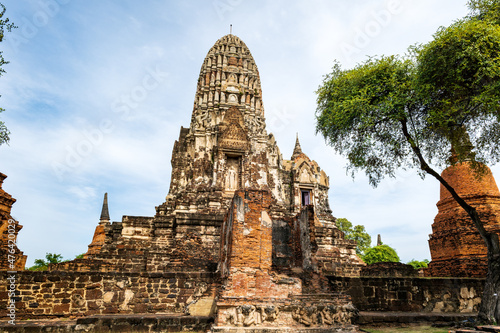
(204, 307)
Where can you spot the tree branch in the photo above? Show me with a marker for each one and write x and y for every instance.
(468, 208)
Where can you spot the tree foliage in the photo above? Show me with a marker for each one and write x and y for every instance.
(357, 233)
(437, 106)
(360, 113)
(459, 75)
(380, 253)
(418, 264)
(5, 25)
(485, 10)
(43, 264)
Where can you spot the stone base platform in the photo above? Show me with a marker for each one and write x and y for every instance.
(368, 318)
(330, 329)
(113, 323)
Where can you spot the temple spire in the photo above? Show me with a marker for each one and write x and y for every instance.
(105, 211)
(297, 150)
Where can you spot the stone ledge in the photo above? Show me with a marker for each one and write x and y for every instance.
(381, 318)
(339, 329)
(113, 323)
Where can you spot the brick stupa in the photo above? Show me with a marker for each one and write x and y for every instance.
(457, 249)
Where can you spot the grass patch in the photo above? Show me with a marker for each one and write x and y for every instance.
(420, 329)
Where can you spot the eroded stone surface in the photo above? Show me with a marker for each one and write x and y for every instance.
(225, 149)
(456, 246)
(11, 258)
(257, 226)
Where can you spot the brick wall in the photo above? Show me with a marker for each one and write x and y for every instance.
(412, 294)
(58, 294)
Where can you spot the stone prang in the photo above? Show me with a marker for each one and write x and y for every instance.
(244, 236)
(227, 148)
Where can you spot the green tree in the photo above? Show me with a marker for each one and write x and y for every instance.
(418, 264)
(380, 253)
(357, 233)
(5, 25)
(42, 265)
(438, 106)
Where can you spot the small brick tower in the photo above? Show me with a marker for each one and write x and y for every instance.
(9, 228)
(99, 234)
(456, 247)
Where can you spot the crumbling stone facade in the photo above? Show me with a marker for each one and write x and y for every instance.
(412, 294)
(11, 258)
(226, 149)
(55, 294)
(244, 238)
(456, 246)
(236, 210)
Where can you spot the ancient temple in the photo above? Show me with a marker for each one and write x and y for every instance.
(456, 246)
(225, 149)
(237, 209)
(12, 259)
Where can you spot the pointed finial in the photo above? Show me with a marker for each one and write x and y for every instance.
(230, 29)
(105, 211)
(297, 150)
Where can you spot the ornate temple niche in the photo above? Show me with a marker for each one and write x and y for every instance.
(233, 173)
(233, 99)
(305, 175)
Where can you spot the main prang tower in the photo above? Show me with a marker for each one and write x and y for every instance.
(227, 149)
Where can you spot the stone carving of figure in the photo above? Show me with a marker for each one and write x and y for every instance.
(231, 178)
(346, 313)
(304, 176)
(306, 316)
(235, 316)
(257, 124)
(182, 180)
(249, 315)
(203, 119)
(269, 313)
(328, 315)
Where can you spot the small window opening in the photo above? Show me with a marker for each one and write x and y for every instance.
(306, 200)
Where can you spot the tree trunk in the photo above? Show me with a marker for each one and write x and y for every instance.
(489, 310)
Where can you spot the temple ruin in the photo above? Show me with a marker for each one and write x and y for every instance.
(248, 236)
(457, 248)
(245, 239)
(13, 259)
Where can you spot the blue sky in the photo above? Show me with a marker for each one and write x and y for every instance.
(96, 93)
